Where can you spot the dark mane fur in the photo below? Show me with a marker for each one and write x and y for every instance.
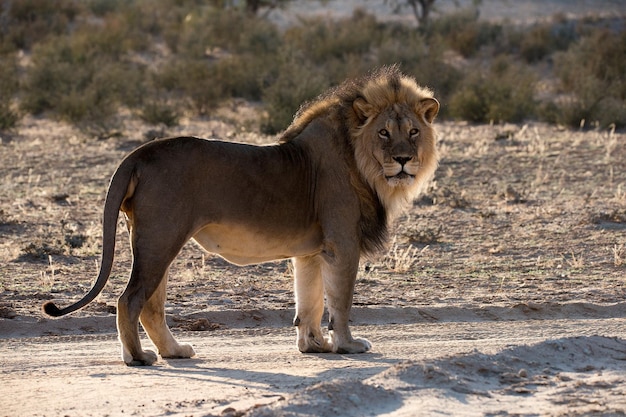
(338, 101)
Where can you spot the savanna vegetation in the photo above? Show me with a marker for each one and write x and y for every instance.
(87, 61)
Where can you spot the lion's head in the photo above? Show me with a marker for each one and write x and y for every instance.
(394, 139)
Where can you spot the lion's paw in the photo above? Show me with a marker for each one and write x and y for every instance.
(181, 352)
(147, 358)
(353, 346)
(314, 344)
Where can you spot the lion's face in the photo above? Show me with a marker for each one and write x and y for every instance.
(395, 148)
(396, 135)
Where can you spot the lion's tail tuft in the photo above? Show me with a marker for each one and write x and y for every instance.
(51, 309)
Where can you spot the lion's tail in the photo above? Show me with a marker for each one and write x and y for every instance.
(121, 187)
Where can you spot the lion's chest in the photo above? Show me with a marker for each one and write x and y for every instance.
(244, 246)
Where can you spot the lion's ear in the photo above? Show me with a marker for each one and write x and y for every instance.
(430, 108)
(362, 109)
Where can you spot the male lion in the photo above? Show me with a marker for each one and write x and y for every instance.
(323, 196)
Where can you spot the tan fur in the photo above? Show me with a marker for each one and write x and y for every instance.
(323, 197)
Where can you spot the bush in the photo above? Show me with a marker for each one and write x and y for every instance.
(470, 102)
(156, 112)
(8, 89)
(160, 59)
(244, 75)
(193, 81)
(536, 45)
(84, 78)
(325, 39)
(542, 40)
(214, 62)
(504, 94)
(592, 74)
(228, 30)
(295, 84)
(463, 32)
(8, 117)
(27, 22)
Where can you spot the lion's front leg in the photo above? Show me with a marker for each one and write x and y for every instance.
(339, 279)
(309, 293)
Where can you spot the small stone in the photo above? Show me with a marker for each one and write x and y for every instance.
(354, 398)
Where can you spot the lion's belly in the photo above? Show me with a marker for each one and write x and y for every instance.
(242, 246)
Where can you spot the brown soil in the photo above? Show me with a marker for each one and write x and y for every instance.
(516, 214)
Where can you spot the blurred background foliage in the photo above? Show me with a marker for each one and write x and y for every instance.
(84, 61)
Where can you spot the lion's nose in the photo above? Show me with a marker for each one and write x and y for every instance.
(402, 159)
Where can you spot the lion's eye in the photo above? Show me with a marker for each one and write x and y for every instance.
(414, 132)
(383, 133)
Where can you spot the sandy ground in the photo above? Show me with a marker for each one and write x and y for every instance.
(503, 292)
(455, 366)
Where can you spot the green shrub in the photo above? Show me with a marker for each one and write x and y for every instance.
(296, 83)
(83, 79)
(325, 39)
(542, 40)
(101, 8)
(463, 32)
(49, 78)
(192, 80)
(504, 94)
(471, 102)
(536, 45)
(27, 22)
(229, 30)
(214, 61)
(90, 58)
(156, 112)
(8, 117)
(244, 75)
(8, 89)
(592, 74)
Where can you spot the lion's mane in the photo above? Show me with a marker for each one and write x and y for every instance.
(381, 89)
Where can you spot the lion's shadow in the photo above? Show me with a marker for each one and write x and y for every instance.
(281, 382)
(200, 368)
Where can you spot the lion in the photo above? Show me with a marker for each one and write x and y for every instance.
(324, 196)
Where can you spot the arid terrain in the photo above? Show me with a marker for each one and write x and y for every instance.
(502, 293)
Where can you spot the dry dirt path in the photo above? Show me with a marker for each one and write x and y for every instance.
(524, 366)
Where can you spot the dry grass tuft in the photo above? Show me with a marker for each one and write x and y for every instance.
(576, 261)
(619, 253)
(402, 260)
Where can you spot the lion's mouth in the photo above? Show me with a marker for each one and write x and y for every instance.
(402, 175)
(400, 179)
(399, 176)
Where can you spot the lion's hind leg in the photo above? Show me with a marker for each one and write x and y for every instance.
(128, 330)
(151, 259)
(309, 294)
(152, 319)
